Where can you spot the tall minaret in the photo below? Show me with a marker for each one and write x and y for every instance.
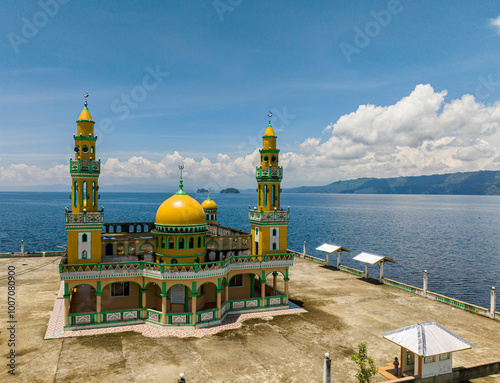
(268, 221)
(83, 218)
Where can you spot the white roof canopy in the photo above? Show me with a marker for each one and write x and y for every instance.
(372, 259)
(327, 248)
(427, 339)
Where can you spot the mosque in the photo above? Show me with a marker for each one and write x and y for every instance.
(183, 269)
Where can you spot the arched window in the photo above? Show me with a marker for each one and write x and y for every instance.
(84, 254)
(94, 199)
(273, 201)
(75, 194)
(174, 261)
(181, 243)
(91, 150)
(274, 246)
(197, 260)
(258, 193)
(191, 242)
(84, 194)
(265, 195)
(84, 237)
(199, 241)
(162, 242)
(170, 243)
(274, 232)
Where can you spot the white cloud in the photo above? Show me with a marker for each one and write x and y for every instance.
(495, 23)
(419, 134)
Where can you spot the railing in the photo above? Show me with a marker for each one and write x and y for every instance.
(120, 315)
(351, 270)
(91, 217)
(179, 319)
(455, 302)
(82, 319)
(277, 300)
(161, 268)
(269, 172)
(85, 166)
(244, 304)
(403, 286)
(275, 215)
(206, 316)
(153, 316)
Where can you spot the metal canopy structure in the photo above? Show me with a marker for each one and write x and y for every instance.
(427, 339)
(372, 259)
(329, 249)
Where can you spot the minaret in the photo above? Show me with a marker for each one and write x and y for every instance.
(210, 208)
(83, 218)
(268, 221)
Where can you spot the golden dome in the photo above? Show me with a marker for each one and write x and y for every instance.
(209, 204)
(269, 131)
(85, 115)
(180, 209)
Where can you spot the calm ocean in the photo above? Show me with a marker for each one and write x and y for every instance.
(456, 238)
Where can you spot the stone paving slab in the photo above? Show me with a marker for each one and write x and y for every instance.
(56, 329)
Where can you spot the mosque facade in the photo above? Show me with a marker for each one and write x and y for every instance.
(183, 269)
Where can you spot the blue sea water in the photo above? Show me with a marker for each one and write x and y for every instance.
(455, 238)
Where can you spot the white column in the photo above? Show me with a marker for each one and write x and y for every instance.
(304, 253)
(327, 258)
(425, 282)
(493, 301)
(22, 246)
(381, 267)
(338, 260)
(366, 270)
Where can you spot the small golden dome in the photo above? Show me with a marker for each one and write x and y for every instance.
(180, 209)
(209, 204)
(269, 132)
(85, 115)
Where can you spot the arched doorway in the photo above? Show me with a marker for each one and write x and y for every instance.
(83, 299)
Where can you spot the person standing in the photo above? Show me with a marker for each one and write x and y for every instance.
(396, 367)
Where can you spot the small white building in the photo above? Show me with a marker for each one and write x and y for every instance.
(426, 349)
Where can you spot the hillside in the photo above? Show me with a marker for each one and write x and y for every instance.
(469, 183)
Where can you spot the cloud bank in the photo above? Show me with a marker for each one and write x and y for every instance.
(420, 134)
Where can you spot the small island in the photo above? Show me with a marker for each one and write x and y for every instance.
(230, 190)
(202, 190)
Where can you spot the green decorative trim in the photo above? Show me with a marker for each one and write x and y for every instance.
(84, 138)
(66, 289)
(98, 290)
(194, 288)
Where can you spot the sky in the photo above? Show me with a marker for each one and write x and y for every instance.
(357, 89)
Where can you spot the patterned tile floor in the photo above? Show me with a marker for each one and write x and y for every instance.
(232, 321)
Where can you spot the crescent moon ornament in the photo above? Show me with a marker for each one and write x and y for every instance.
(270, 115)
(86, 95)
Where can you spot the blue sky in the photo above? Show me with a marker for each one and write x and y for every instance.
(417, 94)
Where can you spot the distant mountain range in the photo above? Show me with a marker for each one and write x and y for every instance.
(469, 183)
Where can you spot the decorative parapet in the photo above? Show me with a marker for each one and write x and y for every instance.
(169, 271)
(275, 172)
(90, 217)
(260, 216)
(87, 166)
(221, 231)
